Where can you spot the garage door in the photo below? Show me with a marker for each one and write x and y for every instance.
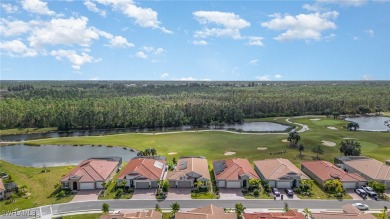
(99, 185)
(172, 184)
(87, 186)
(233, 185)
(349, 185)
(142, 185)
(221, 184)
(184, 184)
(283, 185)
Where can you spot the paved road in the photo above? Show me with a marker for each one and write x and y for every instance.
(144, 204)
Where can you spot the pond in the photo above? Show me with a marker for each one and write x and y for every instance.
(59, 155)
(245, 127)
(371, 123)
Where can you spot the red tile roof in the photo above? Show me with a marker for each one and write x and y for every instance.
(234, 169)
(291, 214)
(349, 212)
(190, 165)
(373, 168)
(326, 171)
(144, 167)
(150, 214)
(92, 170)
(274, 169)
(208, 212)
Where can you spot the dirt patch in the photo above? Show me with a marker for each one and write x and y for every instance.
(328, 143)
(285, 140)
(229, 153)
(332, 127)
(316, 119)
(172, 153)
(262, 148)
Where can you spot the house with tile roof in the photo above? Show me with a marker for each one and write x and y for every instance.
(233, 173)
(208, 212)
(321, 171)
(150, 214)
(91, 173)
(2, 190)
(280, 173)
(349, 212)
(368, 168)
(188, 171)
(290, 214)
(143, 172)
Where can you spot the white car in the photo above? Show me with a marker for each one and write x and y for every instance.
(360, 206)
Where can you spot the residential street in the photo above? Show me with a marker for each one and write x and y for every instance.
(144, 204)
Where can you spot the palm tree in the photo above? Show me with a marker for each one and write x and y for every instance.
(300, 149)
(286, 208)
(240, 209)
(153, 151)
(352, 125)
(318, 150)
(175, 207)
(293, 138)
(307, 213)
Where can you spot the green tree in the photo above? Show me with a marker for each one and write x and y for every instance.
(335, 114)
(350, 148)
(300, 149)
(164, 185)
(286, 208)
(157, 208)
(318, 150)
(293, 138)
(174, 161)
(352, 125)
(307, 213)
(240, 209)
(105, 208)
(378, 187)
(175, 207)
(254, 183)
(153, 151)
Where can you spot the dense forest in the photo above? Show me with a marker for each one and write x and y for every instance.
(119, 104)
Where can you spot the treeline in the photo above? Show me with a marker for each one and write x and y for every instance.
(90, 105)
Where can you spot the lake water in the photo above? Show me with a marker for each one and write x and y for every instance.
(371, 123)
(57, 155)
(246, 127)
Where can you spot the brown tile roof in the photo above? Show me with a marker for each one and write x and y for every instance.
(2, 188)
(326, 170)
(151, 214)
(274, 169)
(291, 214)
(144, 167)
(92, 170)
(234, 169)
(370, 167)
(208, 212)
(189, 165)
(349, 212)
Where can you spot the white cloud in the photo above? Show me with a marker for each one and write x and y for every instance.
(65, 32)
(9, 8)
(159, 51)
(75, 59)
(302, 26)
(255, 41)
(253, 62)
(278, 76)
(191, 79)
(13, 28)
(144, 17)
(370, 32)
(94, 78)
(164, 75)
(367, 77)
(16, 48)
(120, 42)
(199, 42)
(346, 3)
(92, 7)
(141, 55)
(263, 78)
(36, 6)
(229, 24)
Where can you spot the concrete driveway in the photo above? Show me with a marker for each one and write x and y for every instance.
(285, 197)
(179, 194)
(86, 195)
(144, 194)
(353, 194)
(230, 194)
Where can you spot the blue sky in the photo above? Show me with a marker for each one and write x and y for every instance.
(195, 40)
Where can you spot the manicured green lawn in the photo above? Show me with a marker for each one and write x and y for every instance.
(83, 216)
(40, 185)
(26, 131)
(167, 215)
(203, 195)
(318, 193)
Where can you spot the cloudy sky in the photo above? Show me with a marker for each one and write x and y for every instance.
(195, 40)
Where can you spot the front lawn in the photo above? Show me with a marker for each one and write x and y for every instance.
(41, 186)
(203, 195)
(82, 216)
(318, 193)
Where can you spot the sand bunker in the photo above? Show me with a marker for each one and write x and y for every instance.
(328, 143)
(349, 138)
(285, 140)
(332, 127)
(262, 148)
(172, 153)
(315, 119)
(229, 153)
